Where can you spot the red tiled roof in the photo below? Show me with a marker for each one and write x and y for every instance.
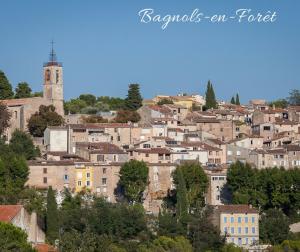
(154, 150)
(8, 212)
(236, 209)
(43, 247)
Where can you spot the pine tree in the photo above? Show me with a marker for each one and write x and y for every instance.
(6, 91)
(237, 99)
(52, 225)
(23, 90)
(210, 97)
(134, 99)
(232, 100)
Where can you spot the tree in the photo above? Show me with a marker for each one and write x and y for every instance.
(74, 106)
(232, 101)
(182, 204)
(23, 90)
(4, 118)
(39, 121)
(21, 144)
(165, 101)
(237, 99)
(294, 98)
(13, 239)
(37, 94)
(13, 175)
(89, 99)
(133, 180)
(195, 180)
(6, 91)
(94, 119)
(273, 227)
(124, 116)
(203, 234)
(134, 99)
(52, 224)
(210, 97)
(280, 103)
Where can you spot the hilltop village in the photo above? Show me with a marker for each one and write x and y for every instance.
(173, 155)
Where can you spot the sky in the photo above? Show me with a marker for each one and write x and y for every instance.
(104, 47)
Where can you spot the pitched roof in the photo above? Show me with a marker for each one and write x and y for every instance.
(8, 212)
(101, 148)
(236, 209)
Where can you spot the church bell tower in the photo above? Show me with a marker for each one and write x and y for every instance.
(53, 82)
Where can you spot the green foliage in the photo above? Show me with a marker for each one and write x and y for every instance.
(13, 239)
(266, 188)
(232, 101)
(168, 224)
(74, 106)
(23, 90)
(280, 103)
(210, 97)
(237, 99)
(195, 180)
(89, 99)
(134, 99)
(273, 227)
(52, 224)
(203, 234)
(4, 118)
(165, 101)
(34, 201)
(89, 110)
(133, 180)
(37, 94)
(294, 98)
(114, 103)
(165, 244)
(13, 175)
(39, 121)
(182, 204)
(6, 91)
(22, 144)
(94, 119)
(124, 116)
(231, 248)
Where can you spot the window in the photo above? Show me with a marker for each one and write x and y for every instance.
(246, 230)
(239, 219)
(45, 180)
(253, 219)
(66, 177)
(146, 146)
(232, 230)
(246, 219)
(229, 153)
(45, 170)
(111, 138)
(104, 170)
(225, 230)
(253, 230)
(218, 197)
(240, 241)
(16, 114)
(239, 230)
(104, 181)
(238, 153)
(232, 219)
(119, 138)
(225, 219)
(100, 158)
(221, 178)
(79, 183)
(246, 240)
(147, 154)
(88, 183)
(267, 128)
(88, 175)
(115, 157)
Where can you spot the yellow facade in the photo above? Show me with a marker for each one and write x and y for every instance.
(185, 103)
(84, 177)
(240, 228)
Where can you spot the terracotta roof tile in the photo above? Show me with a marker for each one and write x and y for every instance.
(8, 212)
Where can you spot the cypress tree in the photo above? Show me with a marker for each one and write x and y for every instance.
(210, 96)
(237, 99)
(182, 205)
(52, 225)
(232, 100)
(6, 91)
(134, 99)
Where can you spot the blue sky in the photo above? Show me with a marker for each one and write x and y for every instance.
(104, 47)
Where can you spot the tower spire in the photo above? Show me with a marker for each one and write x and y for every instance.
(52, 57)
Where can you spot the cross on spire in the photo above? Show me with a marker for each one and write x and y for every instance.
(52, 57)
